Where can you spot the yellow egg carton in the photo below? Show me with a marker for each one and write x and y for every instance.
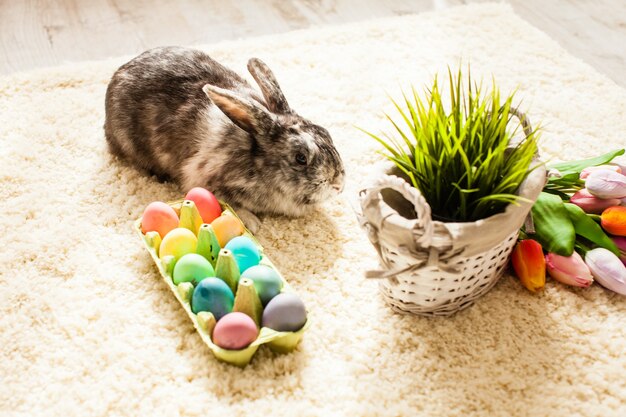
(246, 298)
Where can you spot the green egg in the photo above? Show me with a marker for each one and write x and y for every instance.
(266, 281)
(192, 268)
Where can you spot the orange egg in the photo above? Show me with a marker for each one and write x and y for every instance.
(159, 217)
(227, 227)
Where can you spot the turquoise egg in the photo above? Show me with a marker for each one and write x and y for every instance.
(266, 281)
(192, 268)
(285, 313)
(245, 251)
(212, 294)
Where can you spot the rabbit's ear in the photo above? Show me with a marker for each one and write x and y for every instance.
(264, 77)
(247, 115)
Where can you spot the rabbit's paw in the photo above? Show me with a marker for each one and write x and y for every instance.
(250, 220)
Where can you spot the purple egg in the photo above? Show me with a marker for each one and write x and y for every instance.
(285, 313)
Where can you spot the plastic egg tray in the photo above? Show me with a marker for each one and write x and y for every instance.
(246, 298)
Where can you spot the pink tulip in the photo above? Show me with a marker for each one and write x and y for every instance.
(570, 270)
(585, 172)
(620, 242)
(620, 161)
(606, 184)
(592, 204)
(607, 269)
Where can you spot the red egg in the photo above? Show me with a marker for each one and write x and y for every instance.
(235, 331)
(159, 217)
(207, 204)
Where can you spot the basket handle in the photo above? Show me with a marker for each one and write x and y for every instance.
(524, 120)
(371, 197)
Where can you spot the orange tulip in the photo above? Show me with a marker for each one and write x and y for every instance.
(529, 264)
(613, 220)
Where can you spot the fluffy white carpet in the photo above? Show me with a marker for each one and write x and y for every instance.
(87, 328)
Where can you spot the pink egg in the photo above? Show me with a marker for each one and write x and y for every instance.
(207, 204)
(235, 331)
(159, 217)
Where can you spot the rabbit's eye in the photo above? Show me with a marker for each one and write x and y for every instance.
(301, 158)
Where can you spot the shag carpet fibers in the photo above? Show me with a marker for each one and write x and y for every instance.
(87, 328)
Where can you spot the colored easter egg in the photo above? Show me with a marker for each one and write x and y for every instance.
(235, 331)
(178, 243)
(206, 203)
(266, 281)
(192, 268)
(226, 227)
(284, 313)
(158, 217)
(245, 251)
(212, 294)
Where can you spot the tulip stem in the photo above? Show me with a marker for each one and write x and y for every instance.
(595, 217)
(582, 248)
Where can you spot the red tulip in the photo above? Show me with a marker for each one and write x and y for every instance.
(529, 264)
(592, 204)
(613, 220)
(570, 270)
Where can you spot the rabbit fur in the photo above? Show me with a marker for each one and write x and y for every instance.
(182, 116)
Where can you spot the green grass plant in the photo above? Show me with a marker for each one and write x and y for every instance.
(459, 154)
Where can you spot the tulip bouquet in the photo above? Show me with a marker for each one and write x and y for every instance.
(579, 221)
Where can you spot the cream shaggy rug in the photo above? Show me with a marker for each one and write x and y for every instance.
(87, 328)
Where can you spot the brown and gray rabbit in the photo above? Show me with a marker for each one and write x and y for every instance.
(180, 115)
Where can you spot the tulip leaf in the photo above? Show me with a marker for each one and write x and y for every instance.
(553, 227)
(572, 167)
(589, 229)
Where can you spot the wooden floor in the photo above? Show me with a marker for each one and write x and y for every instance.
(38, 33)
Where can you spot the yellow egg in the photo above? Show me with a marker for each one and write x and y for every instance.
(177, 243)
(226, 227)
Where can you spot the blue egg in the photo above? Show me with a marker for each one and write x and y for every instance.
(245, 251)
(214, 295)
(266, 281)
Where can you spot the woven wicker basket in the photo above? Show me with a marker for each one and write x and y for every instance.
(432, 267)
